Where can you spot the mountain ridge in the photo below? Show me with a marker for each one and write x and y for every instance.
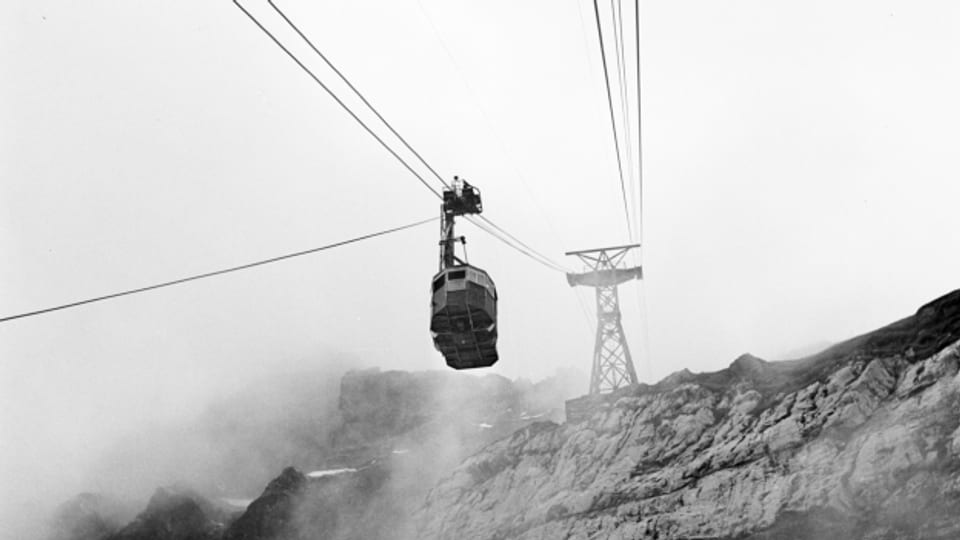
(860, 440)
(850, 441)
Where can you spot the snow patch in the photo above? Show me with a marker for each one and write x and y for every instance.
(485, 426)
(329, 472)
(400, 451)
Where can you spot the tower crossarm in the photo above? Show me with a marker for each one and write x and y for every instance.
(612, 364)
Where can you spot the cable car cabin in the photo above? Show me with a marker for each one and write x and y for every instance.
(464, 317)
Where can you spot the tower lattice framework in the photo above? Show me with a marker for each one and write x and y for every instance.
(612, 364)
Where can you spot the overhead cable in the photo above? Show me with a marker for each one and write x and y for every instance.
(218, 272)
(357, 92)
(639, 132)
(616, 15)
(334, 96)
(491, 129)
(482, 223)
(613, 123)
(529, 251)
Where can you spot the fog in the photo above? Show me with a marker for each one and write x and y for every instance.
(219, 433)
(800, 187)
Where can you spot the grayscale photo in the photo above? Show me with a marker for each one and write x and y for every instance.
(480, 270)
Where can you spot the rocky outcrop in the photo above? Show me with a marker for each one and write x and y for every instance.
(399, 433)
(272, 514)
(393, 436)
(861, 441)
(88, 516)
(296, 506)
(176, 514)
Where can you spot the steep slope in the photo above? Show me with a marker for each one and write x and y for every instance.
(367, 466)
(176, 514)
(861, 441)
(399, 433)
(89, 516)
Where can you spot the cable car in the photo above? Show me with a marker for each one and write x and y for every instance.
(464, 317)
(463, 302)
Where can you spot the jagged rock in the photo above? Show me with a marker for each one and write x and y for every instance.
(859, 441)
(272, 514)
(395, 432)
(88, 516)
(399, 433)
(295, 507)
(176, 514)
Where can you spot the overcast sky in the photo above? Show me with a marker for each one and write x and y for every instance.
(800, 186)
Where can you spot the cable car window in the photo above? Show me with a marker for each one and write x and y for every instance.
(437, 283)
(458, 274)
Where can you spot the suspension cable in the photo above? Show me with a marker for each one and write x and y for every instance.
(334, 96)
(219, 272)
(357, 92)
(491, 129)
(482, 222)
(613, 124)
(639, 208)
(515, 244)
(621, 53)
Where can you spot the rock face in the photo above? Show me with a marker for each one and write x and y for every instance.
(176, 514)
(272, 514)
(296, 507)
(399, 433)
(88, 516)
(393, 435)
(861, 441)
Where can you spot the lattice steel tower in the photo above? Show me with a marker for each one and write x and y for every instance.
(612, 364)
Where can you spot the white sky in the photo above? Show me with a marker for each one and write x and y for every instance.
(800, 186)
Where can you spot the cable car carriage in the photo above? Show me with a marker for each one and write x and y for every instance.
(464, 317)
(463, 304)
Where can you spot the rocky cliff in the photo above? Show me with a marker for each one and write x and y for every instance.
(861, 441)
(359, 474)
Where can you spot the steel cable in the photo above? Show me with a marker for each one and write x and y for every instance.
(529, 251)
(335, 97)
(217, 272)
(613, 124)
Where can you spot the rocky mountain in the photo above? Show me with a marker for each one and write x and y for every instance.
(399, 434)
(176, 514)
(360, 472)
(89, 516)
(860, 441)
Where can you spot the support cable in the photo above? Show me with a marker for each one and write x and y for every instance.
(357, 92)
(338, 100)
(491, 129)
(529, 251)
(616, 15)
(641, 288)
(481, 223)
(639, 131)
(218, 272)
(613, 124)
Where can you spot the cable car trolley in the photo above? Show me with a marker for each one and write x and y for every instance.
(463, 316)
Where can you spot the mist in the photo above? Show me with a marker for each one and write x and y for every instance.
(226, 433)
(124, 432)
(800, 187)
